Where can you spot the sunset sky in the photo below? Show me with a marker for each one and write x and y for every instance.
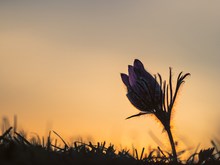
(60, 65)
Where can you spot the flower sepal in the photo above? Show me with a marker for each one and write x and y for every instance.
(139, 114)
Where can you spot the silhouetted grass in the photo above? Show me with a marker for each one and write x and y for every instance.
(15, 148)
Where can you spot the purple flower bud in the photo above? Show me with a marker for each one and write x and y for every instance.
(143, 89)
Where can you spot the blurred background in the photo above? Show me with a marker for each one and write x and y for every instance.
(60, 65)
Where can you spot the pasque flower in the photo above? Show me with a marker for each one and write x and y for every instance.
(151, 95)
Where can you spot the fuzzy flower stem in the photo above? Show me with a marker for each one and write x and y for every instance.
(172, 143)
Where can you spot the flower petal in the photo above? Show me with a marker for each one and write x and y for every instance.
(125, 79)
(132, 75)
(141, 72)
(136, 101)
(138, 64)
(133, 80)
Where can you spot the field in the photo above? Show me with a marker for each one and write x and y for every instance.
(16, 149)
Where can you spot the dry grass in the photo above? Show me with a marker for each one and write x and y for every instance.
(16, 149)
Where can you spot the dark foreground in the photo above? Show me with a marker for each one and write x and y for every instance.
(15, 149)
